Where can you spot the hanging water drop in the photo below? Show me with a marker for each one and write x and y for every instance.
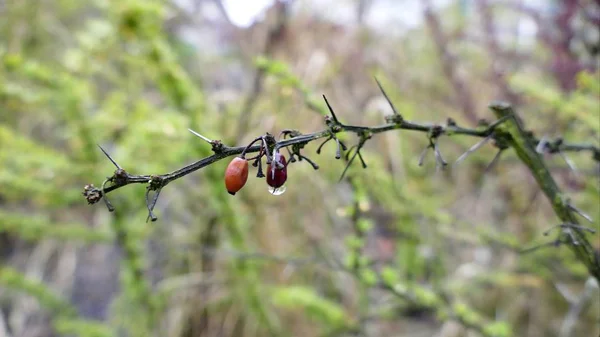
(277, 190)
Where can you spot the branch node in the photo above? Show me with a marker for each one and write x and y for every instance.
(156, 183)
(92, 194)
(542, 145)
(436, 131)
(394, 119)
(269, 144)
(216, 145)
(494, 125)
(120, 177)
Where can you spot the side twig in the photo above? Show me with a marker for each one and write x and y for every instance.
(520, 141)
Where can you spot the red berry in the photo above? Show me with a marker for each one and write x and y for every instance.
(236, 175)
(277, 171)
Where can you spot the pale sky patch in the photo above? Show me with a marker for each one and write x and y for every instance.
(243, 13)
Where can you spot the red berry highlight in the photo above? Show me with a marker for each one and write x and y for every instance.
(236, 175)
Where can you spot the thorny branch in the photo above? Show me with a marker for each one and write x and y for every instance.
(518, 139)
(294, 140)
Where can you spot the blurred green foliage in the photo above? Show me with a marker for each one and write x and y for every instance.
(74, 74)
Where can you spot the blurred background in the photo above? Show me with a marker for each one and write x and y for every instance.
(396, 249)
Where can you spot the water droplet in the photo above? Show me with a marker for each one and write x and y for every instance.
(277, 191)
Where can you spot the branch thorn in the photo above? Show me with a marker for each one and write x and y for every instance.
(389, 101)
(473, 148)
(580, 212)
(331, 111)
(201, 136)
(109, 158)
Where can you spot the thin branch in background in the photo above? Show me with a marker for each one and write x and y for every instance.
(223, 11)
(274, 34)
(564, 65)
(3, 326)
(209, 239)
(362, 10)
(496, 72)
(575, 309)
(441, 303)
(449, 63)
(530, 203)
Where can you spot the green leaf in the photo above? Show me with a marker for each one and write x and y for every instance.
(389, 276)
(368, 276)
(354, 242)
(498, 329)
(315, 306)
(82, 328)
